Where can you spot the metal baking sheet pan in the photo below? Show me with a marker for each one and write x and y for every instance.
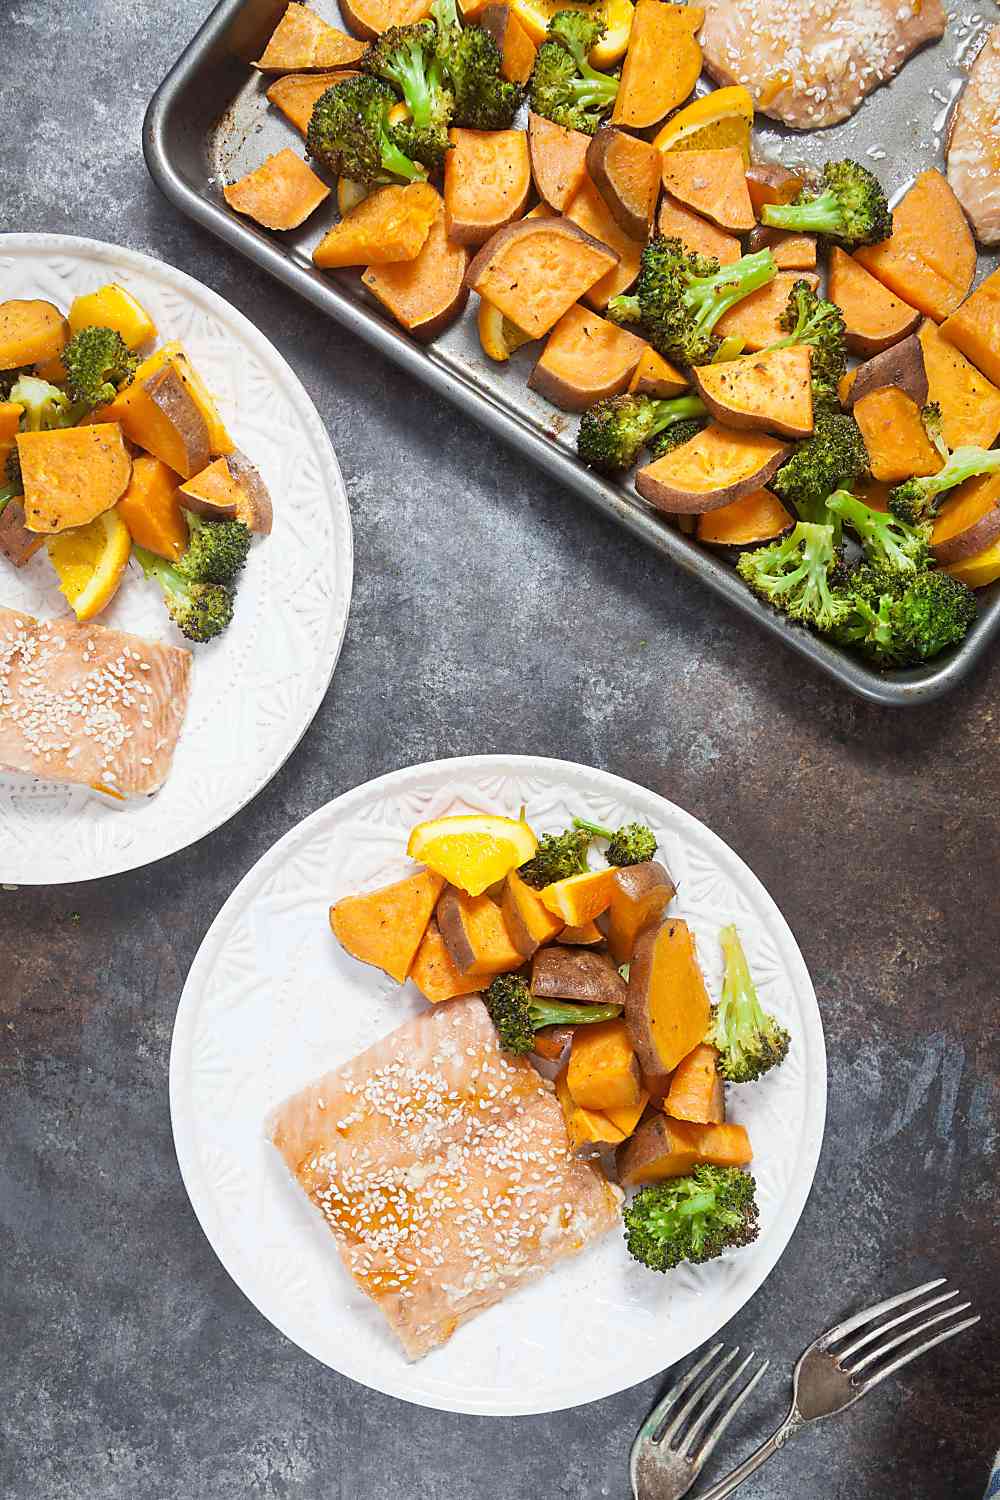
(209, 122)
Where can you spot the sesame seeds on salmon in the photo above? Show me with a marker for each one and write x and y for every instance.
(974, 143)
(442, 1167)
(84, 704)
(811, 62)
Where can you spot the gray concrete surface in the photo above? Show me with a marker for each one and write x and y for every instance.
(490, 612)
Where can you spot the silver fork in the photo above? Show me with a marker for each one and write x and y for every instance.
(666, 1459)
(828, 1381)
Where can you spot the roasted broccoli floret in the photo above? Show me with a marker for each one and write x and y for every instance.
(796, 575)
(916, 500)
(199, 610)
(470, 62)
(12, 484)
(349, 133)
(672, 437)
(405, 56)
(564, 87)
(9, 378)
(45, 406)
(883, 538)
(97, 362)
(812, 320)
(833, 457)
(679, 298)
(899, 619)
(850, 209)
(216, 550)
(749, 1041)
(517, 1014)
(558, 856)
(691, 1218)
(631, 845)
(613, 430)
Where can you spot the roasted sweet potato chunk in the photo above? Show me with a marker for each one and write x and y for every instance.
(662, 1148)
(667, 1007)
(767, 392)
(716, 467)
(586, 358)
(386, 927)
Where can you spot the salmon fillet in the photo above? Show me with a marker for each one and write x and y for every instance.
(441, 1165)
(974, 143)
(811, 62)
(84, 704)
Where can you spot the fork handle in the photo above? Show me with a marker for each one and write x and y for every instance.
(789, 1427)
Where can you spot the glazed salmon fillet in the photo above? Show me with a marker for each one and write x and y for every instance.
(441, 1165)
(84, 704)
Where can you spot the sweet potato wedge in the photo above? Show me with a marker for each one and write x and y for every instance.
(766, 392)
(930, 258)
(588, 210)
(656, 376)
(433, 972)
(968, 521)
(30, 333)
(662, 1148)
(428, 293)
(767, 182)
(535, 270)
(640, 896)
(792, 252)
(487, 182)
(975, 328)
(296, 94)
(558, 160)
(902, 366)
(627, 1116)
(584, 359)
(970, 404)
(474, 934)
(874, 319)
(626, 172)
(580, 898)
(303, 43)
(696, 1089)
(528, 920)
(696, 234)
(168, 410)
(666, 1007)
(517, 50)
(386, 927)
(369, 18)
(603, 1071)
(151, 509)
(560, 973)
(17, 544)
(229, 489)
(758, 517)
(279, 194)
(72, 475)
(391, 224)
(897, 442)
(661, 65)
(552, 1041)
(756, 319)
(712, 183)
(590, 1131)
(716, 467)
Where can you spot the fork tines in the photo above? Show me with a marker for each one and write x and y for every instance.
(877, 1343)
(677, 1424)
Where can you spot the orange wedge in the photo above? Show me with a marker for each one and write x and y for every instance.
(472, 851)
(535, 15)
(90, 561)
(719, 119)
(497, 334)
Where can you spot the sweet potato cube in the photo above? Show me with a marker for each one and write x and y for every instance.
(929, 260)
(640, 895)
(590, 1131)
(280, 194)
(475, 934)
(656, 376)
(296, 94)
(72, 474)
(676, 221)
(714, 184)
(580, 898)
(433, 972)
(975, 328)
(303, 40)
(535, 270)
(627, 1117)
(662, 1148)
(386, 927)
(528, 920)
(588, 210)
(588, 935)
(897, 442)
(696, 1090)
(756, 319)
(151, 509)
(603, 1069)
(667, 1006)
(391, 224)
(874, 318)
(970, 404)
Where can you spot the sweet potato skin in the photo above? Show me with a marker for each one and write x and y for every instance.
(560, 973)
(474, 934)
(662, 1148)
(901, 366)
(641, 894)
(626, 172)
(433, 972)
(517, 50)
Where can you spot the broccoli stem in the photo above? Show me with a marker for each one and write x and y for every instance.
(594, 829)
(712, 296)
(964, 463)
(820, 215)
(563, 1013)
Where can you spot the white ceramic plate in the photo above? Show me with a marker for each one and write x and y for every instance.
(255, 690)
(271, 1002)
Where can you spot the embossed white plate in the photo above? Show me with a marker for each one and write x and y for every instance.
(271, 1002)
(255, 690)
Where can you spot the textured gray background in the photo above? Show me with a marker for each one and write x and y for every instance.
(490, 613)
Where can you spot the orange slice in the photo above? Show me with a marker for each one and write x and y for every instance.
(90, 561)
(719, 119)
(472, 852)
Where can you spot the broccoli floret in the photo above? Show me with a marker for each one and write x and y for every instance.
(679, 298)
(199, 610)
(45, 406)
(883, 538)
(900, 620)
(470, 62)
(405, 56)
(812, 320)
(517, 1014)
(349, 133)
(796, 575)
(613, 430)
(691, 1218)
(558, 856)
(673, 437)
(97, 362)
(216, 550)
(833, 457)
(932, 417)
(916, 500)
(12, 485)
(749, 1041)
(9, 378)
(850, 209)
(631, 845)
(564, 87)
